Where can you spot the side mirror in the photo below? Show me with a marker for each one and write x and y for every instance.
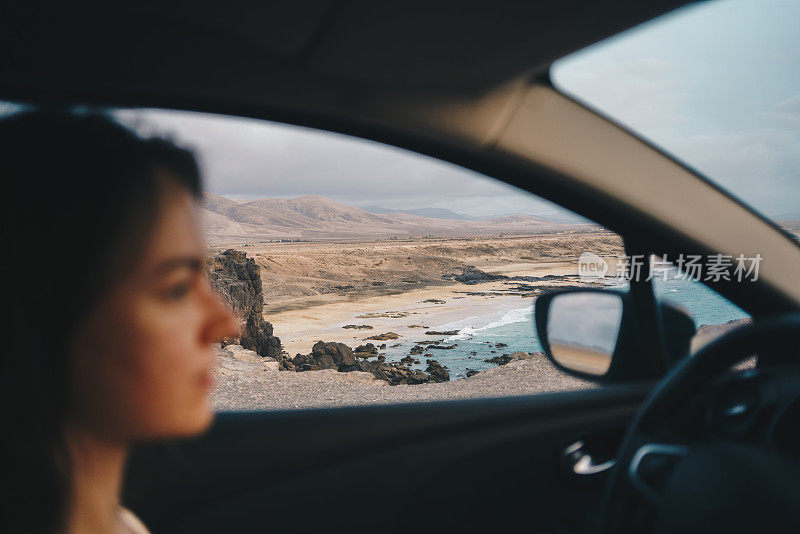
(593, 334)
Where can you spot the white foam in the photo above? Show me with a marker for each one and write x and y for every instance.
(518, 315)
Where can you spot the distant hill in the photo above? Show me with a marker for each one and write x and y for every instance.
(519, 219)
(433, 213)
(324, 209)
(317, 217)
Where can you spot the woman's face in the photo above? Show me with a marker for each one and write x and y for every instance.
(142, 362)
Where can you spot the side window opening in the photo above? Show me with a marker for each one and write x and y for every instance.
(365, 273)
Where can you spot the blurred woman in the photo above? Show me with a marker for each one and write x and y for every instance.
(112, 317)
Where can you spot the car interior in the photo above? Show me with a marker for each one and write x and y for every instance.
(670, 442)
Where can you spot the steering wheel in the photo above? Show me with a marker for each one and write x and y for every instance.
(663, 483)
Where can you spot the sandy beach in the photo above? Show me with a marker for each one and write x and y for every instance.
(406, 314)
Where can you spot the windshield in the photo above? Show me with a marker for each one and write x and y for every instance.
(717, 85)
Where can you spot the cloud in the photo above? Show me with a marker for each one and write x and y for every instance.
(246, 158)
(785, 115)
(712, 85)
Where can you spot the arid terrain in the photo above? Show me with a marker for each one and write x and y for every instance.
(338, 274)
(312, 290)
(302, 275)
(316, 218)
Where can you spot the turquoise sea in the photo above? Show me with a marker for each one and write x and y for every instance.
(515, 327)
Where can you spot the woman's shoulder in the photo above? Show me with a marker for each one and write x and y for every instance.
(131, 522)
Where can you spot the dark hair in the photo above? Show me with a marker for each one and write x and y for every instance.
(80, 194)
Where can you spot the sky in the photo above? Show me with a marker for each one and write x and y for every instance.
(249, 158)
(715, 84)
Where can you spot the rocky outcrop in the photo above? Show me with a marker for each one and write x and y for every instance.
(500, 360)
(383, 337)
(367, 350)
(471, 275)
(338, 356)
(503, 359)
(395, 373)
(438, 372)
(237, 279)
(327, 355)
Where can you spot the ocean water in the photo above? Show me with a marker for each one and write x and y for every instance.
(704, 305)
(479, 336)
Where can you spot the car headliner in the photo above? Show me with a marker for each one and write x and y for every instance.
(306, 49)
(463, 81)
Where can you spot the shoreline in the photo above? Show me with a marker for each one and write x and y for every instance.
(246, 381)
(406, 314)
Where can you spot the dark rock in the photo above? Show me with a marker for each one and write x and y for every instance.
(441, 333)
(237, 279)
(395, 373)
(301, 360)
(340, 354)
(258, 337)
(383, 337)
(327, 355)
(500, 360)
(454, 345)
(365, 351)
(471, 372)
(471, 276)
(434, 301)
(325, 361)
(418, 377)
(358, 326)
(416, 349)
(438, 372)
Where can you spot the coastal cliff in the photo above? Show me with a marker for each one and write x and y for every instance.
(237, 279)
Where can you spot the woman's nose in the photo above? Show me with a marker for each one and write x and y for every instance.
(223, 323)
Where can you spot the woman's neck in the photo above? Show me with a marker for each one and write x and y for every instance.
(97, 466)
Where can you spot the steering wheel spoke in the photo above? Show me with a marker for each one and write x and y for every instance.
(651, 466)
